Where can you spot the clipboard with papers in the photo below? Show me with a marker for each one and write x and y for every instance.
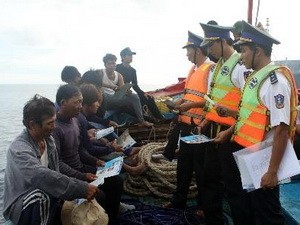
(253, 163)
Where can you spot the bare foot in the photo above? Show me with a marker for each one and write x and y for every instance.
(137, 170)
(135, 150)
(199, 213)
(145, 124)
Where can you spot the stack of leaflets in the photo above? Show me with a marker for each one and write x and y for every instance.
(253, 163)
(111, 168)
(125, 140)
(195, 139)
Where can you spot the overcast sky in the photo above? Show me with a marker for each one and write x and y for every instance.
(39, 37)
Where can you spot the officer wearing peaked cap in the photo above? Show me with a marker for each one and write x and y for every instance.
(226, 82)
(215, 32)
(237, 31)
(193, 40)
(190, 158)
(267, 110)
(255, 35)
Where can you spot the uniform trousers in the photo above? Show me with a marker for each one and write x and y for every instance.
(190, 160)
(221, 176)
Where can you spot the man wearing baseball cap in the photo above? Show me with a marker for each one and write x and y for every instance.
(129, 75)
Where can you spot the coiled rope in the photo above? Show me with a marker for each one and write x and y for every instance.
(160, 177)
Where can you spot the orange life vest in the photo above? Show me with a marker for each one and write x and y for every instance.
(223, 91)
(254, 118)
(195, 87)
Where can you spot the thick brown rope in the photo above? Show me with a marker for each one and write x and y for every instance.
(160, 177)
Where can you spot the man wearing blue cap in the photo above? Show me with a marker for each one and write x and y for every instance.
(228, 77)
(267, 111)
(190, 158)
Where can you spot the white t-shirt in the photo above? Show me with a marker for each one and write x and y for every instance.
(44, 157)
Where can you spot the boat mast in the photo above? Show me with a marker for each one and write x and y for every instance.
(250, 8)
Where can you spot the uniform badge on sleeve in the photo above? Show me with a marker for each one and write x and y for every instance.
(279, 100)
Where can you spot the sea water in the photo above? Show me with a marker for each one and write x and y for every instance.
(12, 100)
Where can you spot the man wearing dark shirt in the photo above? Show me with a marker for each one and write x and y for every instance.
(74, 160)
(129, 75)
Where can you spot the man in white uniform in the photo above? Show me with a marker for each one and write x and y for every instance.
(267, 110)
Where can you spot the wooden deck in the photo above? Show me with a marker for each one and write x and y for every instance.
(143, 135)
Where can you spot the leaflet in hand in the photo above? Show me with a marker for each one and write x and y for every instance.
(196, 139)
(253, 163)
(111, 168)
(125, 140)
(103, 132)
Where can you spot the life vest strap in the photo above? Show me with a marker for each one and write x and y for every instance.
(248, 138)
(255, 109)
(194, 92)
(226, 88)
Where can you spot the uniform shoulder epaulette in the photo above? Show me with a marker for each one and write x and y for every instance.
(273, 77)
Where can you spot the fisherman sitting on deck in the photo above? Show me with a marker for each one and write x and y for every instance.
(93, 77)
(129, 75)
(112, 81)
(70, 75)
(91, 101)
(75, 161)
(33, 183)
